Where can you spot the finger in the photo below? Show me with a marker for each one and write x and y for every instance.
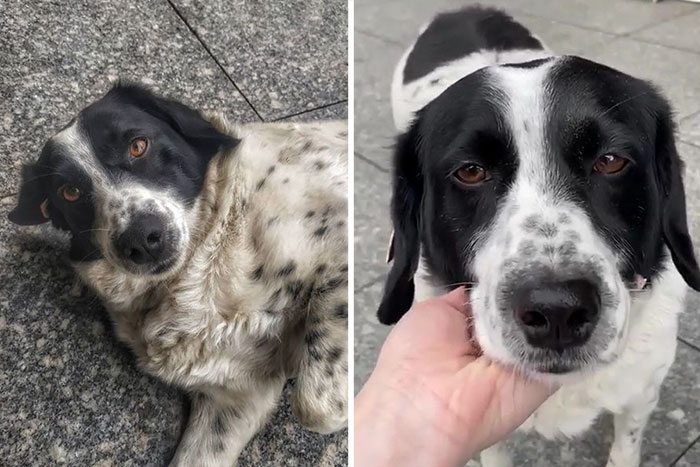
(457, 299)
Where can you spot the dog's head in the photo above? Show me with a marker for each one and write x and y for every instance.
(552, 186)
(122, 177)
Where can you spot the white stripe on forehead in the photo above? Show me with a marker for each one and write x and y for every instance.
(77, 147)
(523, 95)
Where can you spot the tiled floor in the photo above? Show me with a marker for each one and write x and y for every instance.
(69, 394)
(657, 41)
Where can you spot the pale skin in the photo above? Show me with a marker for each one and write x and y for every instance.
(432, 398)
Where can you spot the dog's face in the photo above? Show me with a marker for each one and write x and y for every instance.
(122, 177)
(552, 187)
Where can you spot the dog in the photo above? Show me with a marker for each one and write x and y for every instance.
(219, 251)
(552, 188)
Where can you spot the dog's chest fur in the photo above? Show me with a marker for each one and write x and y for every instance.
(268, 244)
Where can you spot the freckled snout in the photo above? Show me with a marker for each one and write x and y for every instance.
(144, 241)
(557, 315)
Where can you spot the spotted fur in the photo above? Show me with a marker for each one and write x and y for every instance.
(250, 294)
(476, 85)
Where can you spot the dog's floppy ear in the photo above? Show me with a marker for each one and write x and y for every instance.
(31, 206)
(674, 223)
(199, 133)
(405, 213)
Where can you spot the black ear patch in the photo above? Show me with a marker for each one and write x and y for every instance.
(199, 133)
(674, 222)
(405, 213)
(31, 204)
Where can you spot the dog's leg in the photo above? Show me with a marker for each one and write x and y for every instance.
(319, 398)
(221, 424)
(496, 456)
(629, 430)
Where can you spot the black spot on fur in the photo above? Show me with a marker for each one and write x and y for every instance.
(260, 184)
(332, 284)
(295, 288)
(547, 229)
(272, 220)
(285, 181)
(321, 269)
(257, 274)
(307, 146)
(312, 337)
(335, 354)
(220, 426)
(271, 169)
(287, 270)
(320, 232)
(315, 354)
(341, 311)
(318, 165)
(310, 214)
(344, 268)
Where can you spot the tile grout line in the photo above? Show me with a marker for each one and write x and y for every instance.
(691, 345)
(320, 107)
(369, 284)
(221, 67)
(685, 451)
(371, 162)
(695, 145)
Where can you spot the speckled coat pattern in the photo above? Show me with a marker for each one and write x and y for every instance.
(260, 297)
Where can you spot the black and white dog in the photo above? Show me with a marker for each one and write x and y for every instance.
(552, 186)
(219, 251)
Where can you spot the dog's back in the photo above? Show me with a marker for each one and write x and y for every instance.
(452, 46)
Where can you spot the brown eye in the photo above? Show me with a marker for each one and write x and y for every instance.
(471, 174)
(69, 193)
(138, 147)
(609, 164)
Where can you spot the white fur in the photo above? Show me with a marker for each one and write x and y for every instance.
(638, 348)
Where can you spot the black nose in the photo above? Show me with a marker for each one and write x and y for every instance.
(557, 315)
(142, 242)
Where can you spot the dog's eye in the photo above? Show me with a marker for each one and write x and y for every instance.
(471, 174)
(610, 164)
(69, 193)
(138, 147)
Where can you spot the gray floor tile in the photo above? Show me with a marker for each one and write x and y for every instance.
(57, 59)
(374, 126)
(689, 327)
(689, 128)
(673, 426)
(610, 16)
(68, 389)
(295, 60)
(681, 86)
(564, 39)
(369, 334)
(332, 112)
(682, 32)
(400, 23)
(690, 458)
(372, 222)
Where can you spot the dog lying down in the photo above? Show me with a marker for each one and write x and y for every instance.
(219, 251)
(550, 185)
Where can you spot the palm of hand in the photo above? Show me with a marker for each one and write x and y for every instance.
(430, 362)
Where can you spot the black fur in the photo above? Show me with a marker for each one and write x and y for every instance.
(181, 144)
(459, 33)
(592, 110)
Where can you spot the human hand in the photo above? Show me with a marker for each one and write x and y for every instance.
(432, 399)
